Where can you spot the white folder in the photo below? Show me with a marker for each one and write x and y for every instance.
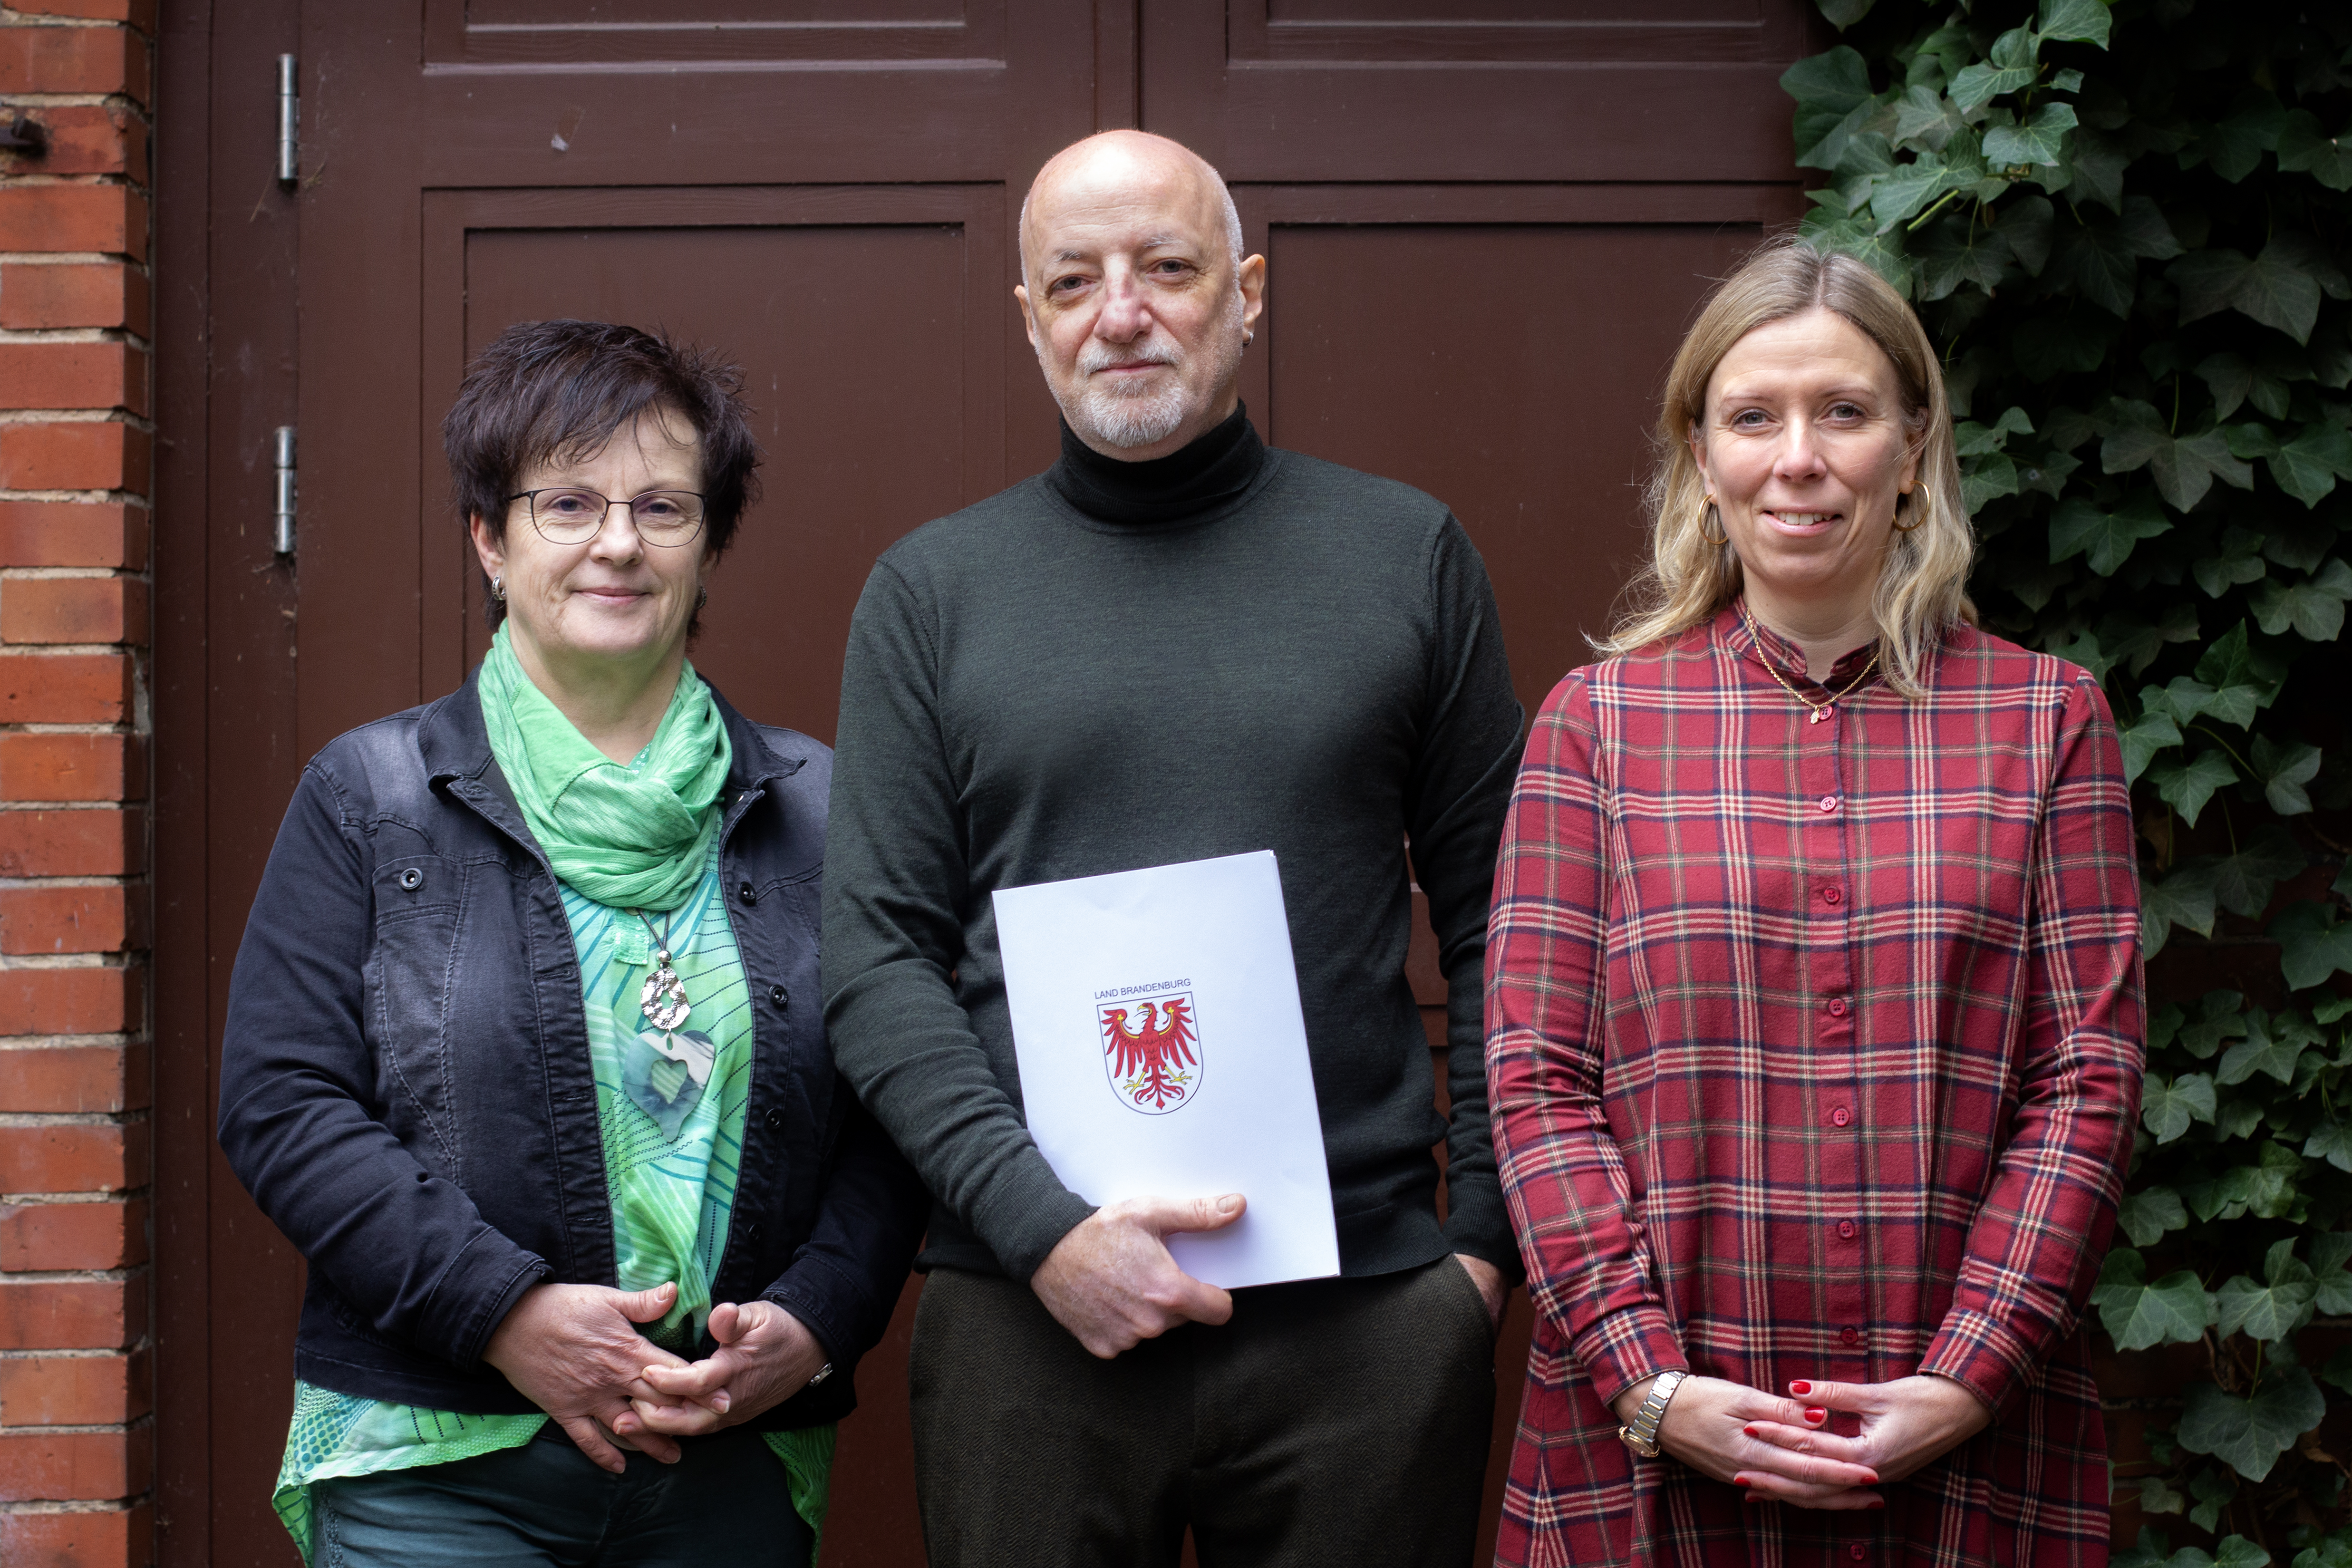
(1155, 1018)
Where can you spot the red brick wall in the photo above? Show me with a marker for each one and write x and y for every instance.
(76, 447)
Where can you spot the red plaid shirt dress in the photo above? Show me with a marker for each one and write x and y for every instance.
(1813, 1051)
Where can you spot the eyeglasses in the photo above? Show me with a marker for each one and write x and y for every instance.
(574, 516)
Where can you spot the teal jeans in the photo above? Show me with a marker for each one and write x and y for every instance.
(546, 1505)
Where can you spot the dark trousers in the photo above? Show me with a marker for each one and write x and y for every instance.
(1333, 1421)
(546, 1505)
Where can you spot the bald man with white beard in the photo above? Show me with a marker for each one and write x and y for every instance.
(1178, 643)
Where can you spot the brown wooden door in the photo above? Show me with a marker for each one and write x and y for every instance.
(1487, 222)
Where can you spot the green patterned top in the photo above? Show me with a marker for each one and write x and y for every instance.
(670, 1107)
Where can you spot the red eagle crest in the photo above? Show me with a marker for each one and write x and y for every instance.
(1154, 1070)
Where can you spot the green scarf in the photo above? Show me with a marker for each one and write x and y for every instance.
(636, 837)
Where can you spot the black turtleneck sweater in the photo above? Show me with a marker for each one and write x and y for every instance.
(1117, 665)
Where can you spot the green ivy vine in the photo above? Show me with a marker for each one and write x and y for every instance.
(2127, 229)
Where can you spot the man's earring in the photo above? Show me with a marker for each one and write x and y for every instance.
(701, 597)
(499, 589)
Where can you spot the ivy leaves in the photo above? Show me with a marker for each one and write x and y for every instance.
(2277, 288)
(2312, 609)
(2039, 138)
(2184, 467)
(2075, 21)
(1986, 470)
(2313, 942)
(2152, 1550)
(2248, 1433)
(2271, 1310)
(2138, 1313)
(2244, 1111)
(2169, 1109)
(2103, 538)
(2305, 148)
(1829, 89)
(2231, 687)
(2098, 255)
(2249, 1430)
(2008, 68)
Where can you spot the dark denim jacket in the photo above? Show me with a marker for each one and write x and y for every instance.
(405, 1087)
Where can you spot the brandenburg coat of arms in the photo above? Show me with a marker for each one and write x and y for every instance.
(1154, 1063)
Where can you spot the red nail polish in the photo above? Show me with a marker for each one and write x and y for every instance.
(1801, 1389)
(1817, 1414)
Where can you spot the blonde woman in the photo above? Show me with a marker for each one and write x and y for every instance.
(1814, 1015)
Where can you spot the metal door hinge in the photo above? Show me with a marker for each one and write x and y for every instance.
(283, 535)
(289, 120)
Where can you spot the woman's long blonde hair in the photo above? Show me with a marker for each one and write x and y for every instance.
(1923, 584)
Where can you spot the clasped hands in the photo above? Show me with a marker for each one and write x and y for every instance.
(574, 1351)
(1782, 1450)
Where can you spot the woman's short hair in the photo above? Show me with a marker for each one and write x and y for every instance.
(1923, 584)
(553, 391)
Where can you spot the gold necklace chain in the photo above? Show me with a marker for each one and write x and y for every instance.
(1819, 710)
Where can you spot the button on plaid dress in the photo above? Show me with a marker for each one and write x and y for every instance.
(1814, 1050)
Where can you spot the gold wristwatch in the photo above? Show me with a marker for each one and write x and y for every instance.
(1640, 1434)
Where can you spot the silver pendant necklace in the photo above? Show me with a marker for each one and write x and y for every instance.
(663, 999)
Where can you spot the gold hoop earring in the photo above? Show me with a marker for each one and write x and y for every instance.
(1925, 498)
(1715, 512)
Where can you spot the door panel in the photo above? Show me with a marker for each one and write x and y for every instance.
(1473, 362)
(567, 32)
(781, 302)
(792, 304)
(620, 15)
(1495, 30)
(1494, 89)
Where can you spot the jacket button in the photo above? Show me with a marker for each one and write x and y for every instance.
(777, 994)
(412, 879)
(775, 1120)
(751, 1231)
(746, 894)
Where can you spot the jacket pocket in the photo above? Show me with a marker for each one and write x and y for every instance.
(420, 907)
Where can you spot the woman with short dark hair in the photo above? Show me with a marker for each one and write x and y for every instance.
(522, 1048)
(1813, 1007)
